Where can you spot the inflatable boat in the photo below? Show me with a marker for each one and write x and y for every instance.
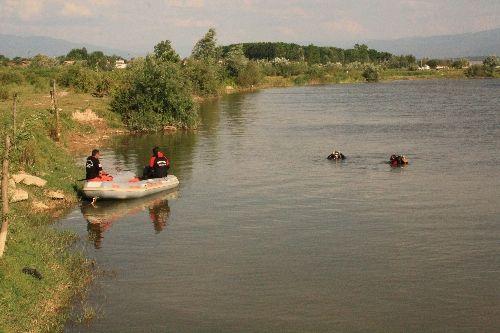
(120, 189)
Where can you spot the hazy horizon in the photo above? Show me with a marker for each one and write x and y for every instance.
(136, 27)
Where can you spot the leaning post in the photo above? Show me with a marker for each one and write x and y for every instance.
(14, 116)
(57, 135)
(5, 196)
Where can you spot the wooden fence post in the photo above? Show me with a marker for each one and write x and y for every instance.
(57, 134)
(5, 196)
(14, 116)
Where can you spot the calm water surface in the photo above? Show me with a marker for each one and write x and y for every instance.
(266, 235)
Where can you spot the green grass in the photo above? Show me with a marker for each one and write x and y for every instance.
(26, 303)
(401, 74)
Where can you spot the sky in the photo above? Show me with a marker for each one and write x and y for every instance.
(136, 26)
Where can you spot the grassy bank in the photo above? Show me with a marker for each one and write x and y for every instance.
(28, 304)
(352, 77)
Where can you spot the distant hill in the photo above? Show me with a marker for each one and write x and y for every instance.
(12, 46)
(474, 44)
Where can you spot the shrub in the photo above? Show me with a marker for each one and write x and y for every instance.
(475, 70)
(287, 69)
(460, 63)
(412, 67)
(301, 80)
(267, 68)
(316, 72)
(158, 94)
(103, 86)
(4, 93)
(489, 65)
(42, 61)
(10, 75)
(79, 78)
(205, 76)
(371, 74)
(250, 75)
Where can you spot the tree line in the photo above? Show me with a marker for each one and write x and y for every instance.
(158, 89)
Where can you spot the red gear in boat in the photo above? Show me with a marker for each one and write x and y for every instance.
(102, 178)
(152, 160)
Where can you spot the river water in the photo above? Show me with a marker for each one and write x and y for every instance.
(266, 235)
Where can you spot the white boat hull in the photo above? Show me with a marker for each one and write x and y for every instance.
(129, 190)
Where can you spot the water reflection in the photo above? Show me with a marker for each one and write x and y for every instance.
(233, 106)
(102, 215)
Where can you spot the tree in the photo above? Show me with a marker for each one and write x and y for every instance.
(98, 60)
(204, 76)
(3, 60)
(165, 52)
(206, 48)
(312, 54)
(361, 53)
(77, 54)
(433, 63)
(489, 65)
(158, 94)
(460, 63)
(235, 60)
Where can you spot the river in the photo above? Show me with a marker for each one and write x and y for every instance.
(266, 235)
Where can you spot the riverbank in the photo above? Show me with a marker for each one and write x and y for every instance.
(352, 77)
(29, 304)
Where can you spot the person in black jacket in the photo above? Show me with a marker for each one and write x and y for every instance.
(94, 169)
(93, 165)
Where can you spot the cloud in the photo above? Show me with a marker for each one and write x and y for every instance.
(186, 3)
(103, 2)
(286, 31)
(28, 10)
(192, 23)
(23, 9)
(73, 9)
(344, 26)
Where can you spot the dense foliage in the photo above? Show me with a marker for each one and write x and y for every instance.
(158, 94)
(371, 74)
(311, 54)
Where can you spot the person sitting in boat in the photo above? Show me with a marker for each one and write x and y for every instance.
(336, 155)
(158, 165)
(398, 160)
(94, 169)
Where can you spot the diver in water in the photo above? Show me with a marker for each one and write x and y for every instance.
(336, 156)
(398, 160)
